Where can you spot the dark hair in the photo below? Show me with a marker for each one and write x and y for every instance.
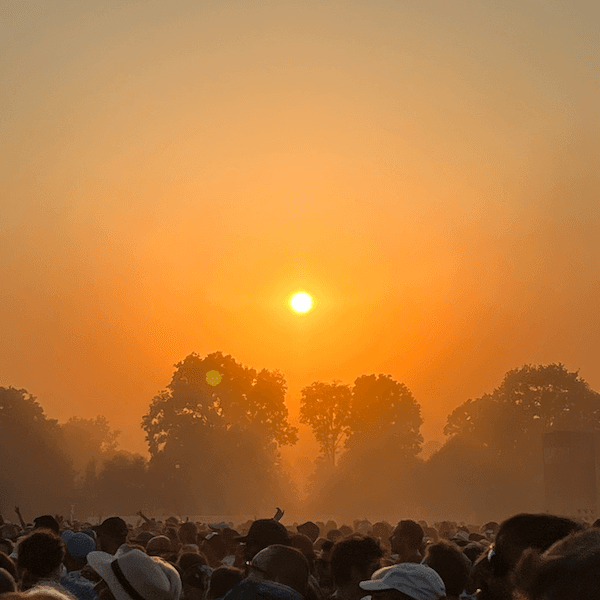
(40, 553)
(222, 580)
(47, 522)
(7, 582)
(523, 531)
(354, 551)
(188, 559)
(411, 531)
(451, 565)
(569, 569)
(7, 563)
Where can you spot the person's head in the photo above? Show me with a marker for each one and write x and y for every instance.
(7, 563)
(568, 569)
(134, 574)
(7, 582)
(195, 579)
(6, 546)
(78, 546)
(215, 548)
(46, 522)
(159, 545)
(406, 581)
(302, 543)
(43, 592)
(222, 580)
(446, 559)
(492, 572)
(263, 533)
(188, 533)
(40, 555)
(407, 537)
(310, 530)
(111, 533)
(281, 564)
(355, 559)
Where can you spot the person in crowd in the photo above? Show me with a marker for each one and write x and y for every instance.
(112, 534)
(569, 569)
(39, 561)
(405, 581)
(188, 534)
(78, 546)
(195, 575)
(447, 560)
(133, 575)
(7, 564)
(310, 530)
(7, 582)
(406, 541)
(263, 533)
(354, 559)
(276, 572)
(47, 522)
(222, 580)
(492, 572)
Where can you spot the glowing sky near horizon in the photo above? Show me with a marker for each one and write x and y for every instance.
(172, 171)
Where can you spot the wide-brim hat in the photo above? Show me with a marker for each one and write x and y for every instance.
(134, 575)
(415, 580)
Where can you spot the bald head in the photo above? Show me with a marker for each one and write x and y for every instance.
(281, 564)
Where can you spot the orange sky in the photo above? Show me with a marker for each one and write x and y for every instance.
(171, 172)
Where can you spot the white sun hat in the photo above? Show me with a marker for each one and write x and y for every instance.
(415, 580)
(134, 575)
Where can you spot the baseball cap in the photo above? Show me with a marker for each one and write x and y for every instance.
(418, 581)
(79, 545)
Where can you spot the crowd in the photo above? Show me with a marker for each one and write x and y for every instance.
(527, 557)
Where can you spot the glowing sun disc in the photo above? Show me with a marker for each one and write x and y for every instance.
(301, 302)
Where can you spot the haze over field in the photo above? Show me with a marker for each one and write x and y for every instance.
(173, 172)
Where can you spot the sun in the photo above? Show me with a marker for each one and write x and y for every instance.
(301, 302)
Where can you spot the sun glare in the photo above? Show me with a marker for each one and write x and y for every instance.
(301, 302)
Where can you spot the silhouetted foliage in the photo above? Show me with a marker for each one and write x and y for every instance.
(36, 473)
(326, 408)
(380, 421)
(87, 439)
(495, 445)
(215, 431)
(384, 409)
(530, 400)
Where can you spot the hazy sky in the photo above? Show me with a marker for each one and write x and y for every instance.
(173, 171)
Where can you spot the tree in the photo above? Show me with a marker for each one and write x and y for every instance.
(326, 408)
(87, 439)
(36, 474)
(384, 409)
(379, 421)
(495, 442)
(529, 401)
(222, 422)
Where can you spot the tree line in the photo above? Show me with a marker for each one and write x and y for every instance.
(214, 435)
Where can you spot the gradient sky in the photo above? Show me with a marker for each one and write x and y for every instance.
(173, 171)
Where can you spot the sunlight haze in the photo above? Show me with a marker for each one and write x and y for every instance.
(172, 172)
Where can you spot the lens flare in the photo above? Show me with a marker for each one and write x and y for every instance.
(301, 302)
(213, 378)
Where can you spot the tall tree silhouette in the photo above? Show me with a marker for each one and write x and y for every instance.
(36, 473)
(326, 407)
(222, 422)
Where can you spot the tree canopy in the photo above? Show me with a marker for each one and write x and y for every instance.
(220, 421)
(529, 401)
(326, 408)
